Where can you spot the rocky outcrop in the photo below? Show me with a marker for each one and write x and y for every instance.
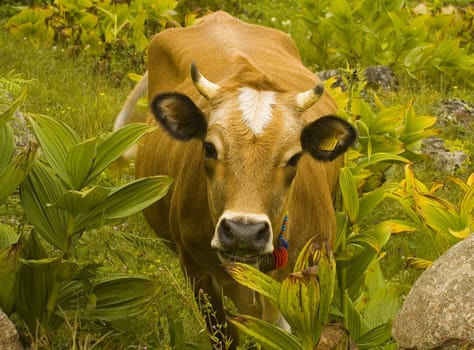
(439, 310)
(9, 339)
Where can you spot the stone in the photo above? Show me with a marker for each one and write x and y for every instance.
(444, 159)
(9, 338)
(449, 113)
(377, 77)
(438, 312)
(454, 111)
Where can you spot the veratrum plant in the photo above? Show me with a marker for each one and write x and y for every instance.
(304, 299)
(388, 32)
(388, 137)
(94, 26)
(445, 220)
(63, 196)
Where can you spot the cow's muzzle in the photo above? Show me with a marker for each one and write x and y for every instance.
(242, 237)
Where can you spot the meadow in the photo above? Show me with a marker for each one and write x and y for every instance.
(85, 90)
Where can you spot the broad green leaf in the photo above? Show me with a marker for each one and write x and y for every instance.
(56, 140)
(380, 301)
(126, 200)
(327, 282)
(87, 21)
(7, 115)
(383, 231)
(375, 337)
(7, 236)
(411, 138)
(358, 265)
(389, 120)
(15, 172)
(78, 202)
(269, 336)
(43, 264)
(370, 200)
(254, 279)
(466, 205)
(342, 224)
(79, 161)
(115, 144)
(354, 322)
(379, 158)
(350, 199)
(40, 188)
(367, 238)
(33, 285)
(120, 296)
(7, 144)
(441, 216)
(462, 185)
(10, 254)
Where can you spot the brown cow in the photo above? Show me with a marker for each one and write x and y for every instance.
(250, 140)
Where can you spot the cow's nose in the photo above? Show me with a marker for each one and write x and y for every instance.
(240, 235)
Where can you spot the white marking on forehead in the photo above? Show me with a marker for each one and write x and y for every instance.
(256, 107)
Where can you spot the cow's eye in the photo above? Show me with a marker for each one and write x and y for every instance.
(209, 150)
(293, 161)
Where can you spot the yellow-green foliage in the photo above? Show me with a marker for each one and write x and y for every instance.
(92, 26)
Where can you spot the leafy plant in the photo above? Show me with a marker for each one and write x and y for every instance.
(64, 195)
(101, 29)
(444, 220)
(365, 32)
(304, 299)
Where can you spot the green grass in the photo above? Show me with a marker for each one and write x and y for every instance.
(66, 88)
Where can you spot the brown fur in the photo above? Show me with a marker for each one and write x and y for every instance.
(235, 54)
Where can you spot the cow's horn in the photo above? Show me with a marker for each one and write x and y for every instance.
(306, 99)
(207, 88)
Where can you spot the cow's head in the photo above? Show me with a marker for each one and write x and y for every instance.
(252, 140)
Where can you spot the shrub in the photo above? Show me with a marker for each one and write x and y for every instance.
(63, 195)
(423, 44)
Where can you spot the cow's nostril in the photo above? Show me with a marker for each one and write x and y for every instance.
(227, 235)
(262, 235)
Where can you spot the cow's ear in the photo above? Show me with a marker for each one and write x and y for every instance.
(328, 137)
(179, 116)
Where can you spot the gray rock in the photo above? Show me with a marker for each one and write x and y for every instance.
(438, 313)
(445, 160)
(9, 339)
(454, 111)
(377, 77)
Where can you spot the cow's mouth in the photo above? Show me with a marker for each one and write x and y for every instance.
(227, 257)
